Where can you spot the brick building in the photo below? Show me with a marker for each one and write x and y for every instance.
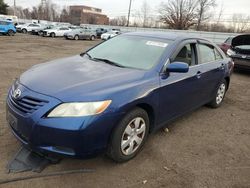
(87, 15)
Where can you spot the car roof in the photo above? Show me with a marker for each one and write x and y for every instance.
(6, 21)
(164, 35)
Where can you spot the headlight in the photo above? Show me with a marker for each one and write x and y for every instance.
(230, 52)
(79, 109)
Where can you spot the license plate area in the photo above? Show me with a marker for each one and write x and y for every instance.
(12, 120)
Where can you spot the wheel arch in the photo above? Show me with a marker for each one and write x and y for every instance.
(151, 114)
(227, 78)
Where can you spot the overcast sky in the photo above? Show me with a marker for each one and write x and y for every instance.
(120, 8)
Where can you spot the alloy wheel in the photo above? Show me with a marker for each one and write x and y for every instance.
(221, 93)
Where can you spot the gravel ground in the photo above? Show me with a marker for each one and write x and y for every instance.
(206, 148)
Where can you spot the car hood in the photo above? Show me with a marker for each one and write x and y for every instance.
(78, 78)
(241, 40)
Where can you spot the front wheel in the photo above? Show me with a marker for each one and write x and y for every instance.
(129, 136)
(92, 37)
(24, 31)
(76, 37)
(220, 94)
(53, 35)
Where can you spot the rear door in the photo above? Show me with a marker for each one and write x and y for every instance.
(212, 67)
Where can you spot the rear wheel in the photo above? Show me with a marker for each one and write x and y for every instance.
(220, 94)
(11, 33)
(129, 136)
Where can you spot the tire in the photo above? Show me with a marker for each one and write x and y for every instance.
(132, 142)
(219, 95)
(40, 33)
(24, 31)
(92, 37)
(11, 33)
(53, 35)
(76, 37)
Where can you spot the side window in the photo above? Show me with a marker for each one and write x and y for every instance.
(3, 23)
(218, 56)
(207, 53)
(186, 55)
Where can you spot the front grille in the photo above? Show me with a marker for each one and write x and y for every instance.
(45, 32)
(27, 104)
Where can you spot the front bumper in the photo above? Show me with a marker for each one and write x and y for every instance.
(69, 37)
(79, 137)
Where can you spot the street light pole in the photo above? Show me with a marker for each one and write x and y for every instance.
(14, 7)
(129, 10)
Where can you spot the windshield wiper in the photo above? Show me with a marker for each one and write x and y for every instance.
(108, 62)
(90, 57)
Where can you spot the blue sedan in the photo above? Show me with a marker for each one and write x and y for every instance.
(111, 97)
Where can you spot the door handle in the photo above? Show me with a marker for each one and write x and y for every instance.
(198, 74)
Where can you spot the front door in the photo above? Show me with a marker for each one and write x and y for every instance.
(180, 92)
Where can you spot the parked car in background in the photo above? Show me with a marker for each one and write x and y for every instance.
(100, 31)
(110, 34)
(82, 33)
(19, 24)
(56, 32)
(240, 51)
(109, 98)
(39, 31)
(226, 45)
(7, 28)
(27, 27)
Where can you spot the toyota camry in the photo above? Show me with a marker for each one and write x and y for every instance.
(111, 97)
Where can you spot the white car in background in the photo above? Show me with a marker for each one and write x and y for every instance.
(110, 34)
(28, 27)
(56, 32)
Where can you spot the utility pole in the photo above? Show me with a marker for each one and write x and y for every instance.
(14, 7)
(129, 10)
(43, 3)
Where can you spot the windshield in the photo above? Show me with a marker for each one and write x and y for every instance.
(131, 51)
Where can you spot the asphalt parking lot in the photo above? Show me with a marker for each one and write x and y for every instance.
(206, 148)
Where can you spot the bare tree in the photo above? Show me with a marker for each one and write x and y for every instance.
(119, 21)
(240, 23)
(65, 17)
(179, 14)
(145, 10)
(202, 12)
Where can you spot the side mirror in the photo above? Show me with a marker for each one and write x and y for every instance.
(178, 67)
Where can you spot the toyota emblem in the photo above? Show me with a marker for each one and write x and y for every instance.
(17, 94)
